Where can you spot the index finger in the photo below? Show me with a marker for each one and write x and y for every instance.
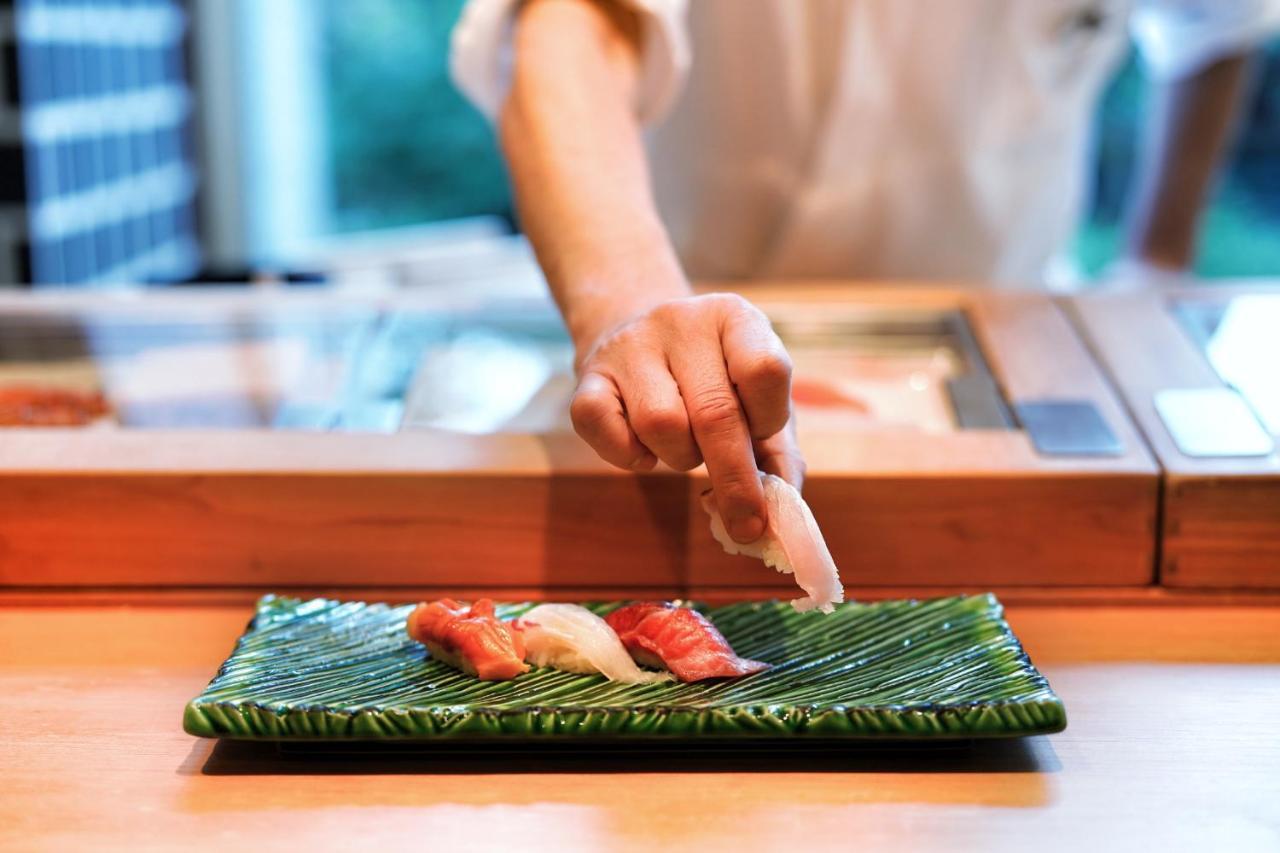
(760, 368)
(720, 429)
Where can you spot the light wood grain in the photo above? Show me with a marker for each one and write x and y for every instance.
(1221, 517)
(1169, 746)
(221, 596)
(556, 531)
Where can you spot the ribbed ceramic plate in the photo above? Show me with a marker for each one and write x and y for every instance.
(330, 670)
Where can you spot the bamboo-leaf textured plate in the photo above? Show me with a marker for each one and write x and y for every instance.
(332, 670)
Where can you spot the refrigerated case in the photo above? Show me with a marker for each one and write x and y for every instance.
(1199, 368)
(955, 437)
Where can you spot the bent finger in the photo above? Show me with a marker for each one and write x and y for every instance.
(600, 419)
(657, 416)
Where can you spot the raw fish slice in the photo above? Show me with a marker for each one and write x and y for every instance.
(658, 633)
(574, 639)
(32, 406)
(471, 639)
(825, 395)
(792, 544)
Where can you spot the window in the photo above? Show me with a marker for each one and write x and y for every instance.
(324, 117)
(403, 144)
(105, 112)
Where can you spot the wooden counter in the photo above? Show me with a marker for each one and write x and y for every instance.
(533, 506)
(1220, 515)
(1172, 739)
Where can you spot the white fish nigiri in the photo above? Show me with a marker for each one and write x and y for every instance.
(572, 638)
(792, 544)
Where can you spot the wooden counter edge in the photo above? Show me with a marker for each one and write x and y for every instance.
(192, 596)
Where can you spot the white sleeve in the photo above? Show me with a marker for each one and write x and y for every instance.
(480, 54)
(1180, 37)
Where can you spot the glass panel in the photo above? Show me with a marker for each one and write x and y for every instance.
(504, 369)
(182, 370)
(854, 369)
(508, 371)
(347, 369)
(1240, 341)
(873, 368)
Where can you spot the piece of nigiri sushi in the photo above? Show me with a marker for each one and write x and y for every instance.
(574, 639)
(658, 633)
(792, 544)
(471, 639)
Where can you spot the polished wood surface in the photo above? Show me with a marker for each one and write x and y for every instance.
(1171, 745)
(558, 531)
(1221, 516)
(220, 596)
(259, 508)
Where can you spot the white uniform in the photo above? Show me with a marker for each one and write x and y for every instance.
(879, 138)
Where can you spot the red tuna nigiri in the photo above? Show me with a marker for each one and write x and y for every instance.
(658, 633)
(471, 639)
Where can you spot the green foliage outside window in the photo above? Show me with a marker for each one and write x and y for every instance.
(405, 147)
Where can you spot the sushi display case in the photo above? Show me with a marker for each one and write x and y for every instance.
(1199, 368)
(955, 437)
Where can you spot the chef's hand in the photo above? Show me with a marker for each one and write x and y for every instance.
(702, 378)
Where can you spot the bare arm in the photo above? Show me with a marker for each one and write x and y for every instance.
(574, 150)
(662, 374)
(1190, 122)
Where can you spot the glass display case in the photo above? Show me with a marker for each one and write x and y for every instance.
(1200, 370)
(506, 370)
(422, 439)
(915, 369)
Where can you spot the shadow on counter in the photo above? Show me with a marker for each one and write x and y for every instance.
(245, 758)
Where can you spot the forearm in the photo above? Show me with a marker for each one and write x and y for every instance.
(663, 375)
(577, 163)
(1190, 122)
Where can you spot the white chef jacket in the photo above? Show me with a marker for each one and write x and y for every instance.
(930, 139)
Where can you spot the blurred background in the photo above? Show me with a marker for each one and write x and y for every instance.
(167, 141)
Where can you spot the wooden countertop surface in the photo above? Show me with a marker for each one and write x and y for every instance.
(1173, 743)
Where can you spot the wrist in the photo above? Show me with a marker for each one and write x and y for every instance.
(614, 308)
(603, 297)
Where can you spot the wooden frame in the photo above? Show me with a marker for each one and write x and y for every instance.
(119, 508)
(1221, 516)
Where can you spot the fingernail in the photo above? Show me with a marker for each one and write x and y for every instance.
(746, 529)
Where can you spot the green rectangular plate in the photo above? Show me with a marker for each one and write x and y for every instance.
(331, 670)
